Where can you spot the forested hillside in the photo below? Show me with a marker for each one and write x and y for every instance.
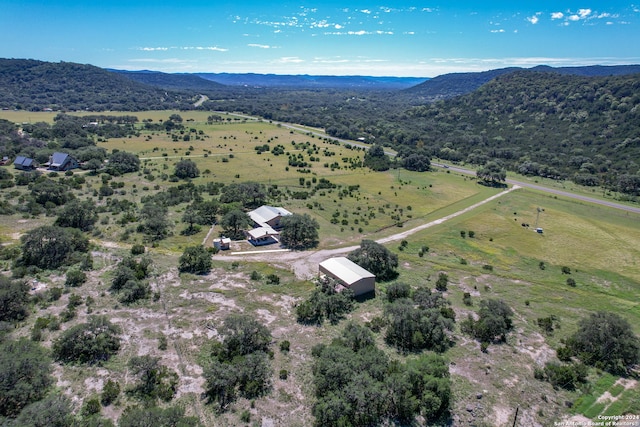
(35, 85)
(456, 84)
(171, 81)
(545, 124)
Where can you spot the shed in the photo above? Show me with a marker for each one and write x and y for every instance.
(349, 274)
(24, 163)
(223, 243)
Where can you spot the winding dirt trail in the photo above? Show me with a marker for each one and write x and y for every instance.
(304, 264)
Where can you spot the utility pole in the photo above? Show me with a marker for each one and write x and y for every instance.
(537, 217)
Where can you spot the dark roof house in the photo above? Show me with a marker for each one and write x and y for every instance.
(24, 163)
(62, 162)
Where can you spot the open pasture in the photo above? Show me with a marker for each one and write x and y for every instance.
(348, 201)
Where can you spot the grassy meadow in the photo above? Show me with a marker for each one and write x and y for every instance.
(504, 259)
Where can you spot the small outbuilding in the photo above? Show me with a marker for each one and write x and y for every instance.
(24, 163)
(222, 244)
(349, 274)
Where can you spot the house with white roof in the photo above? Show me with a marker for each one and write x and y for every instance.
(349, 274)
(268, 216)
(266, 220)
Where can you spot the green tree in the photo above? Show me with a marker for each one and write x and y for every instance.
(191, 217)
(53, 411)
(78, 214)
(325, 302)
(156, 224)
(49, 247)
(377, 259)
(299, 231)
(25, 375)
(240, 364)
(494, 321)
(110, 392)
(241, 335)
(250, 194)
(122, 162)
(411, 328)
(492, 173)
(186, 169)
(221, 380)
(195, 260)
(155, 381)
(398, 290)
(356, 384)
(376, 159)
(75, 277)
(90, 343)
(14, 300)
(442, 282)
(606, 340)
(46, 191)
(234, 222)
(93, 165)
(206, 210)
(153, 416)
(417, 162)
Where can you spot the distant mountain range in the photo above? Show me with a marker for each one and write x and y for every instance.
(33, 85)
(455, 84)
(215, 81)
(313, 82)
(427, 89)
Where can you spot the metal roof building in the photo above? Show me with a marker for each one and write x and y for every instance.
(350, 274)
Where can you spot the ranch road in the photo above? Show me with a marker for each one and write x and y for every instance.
(304, 264)
(550, 190)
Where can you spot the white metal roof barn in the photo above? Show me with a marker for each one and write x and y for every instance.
(350, 274)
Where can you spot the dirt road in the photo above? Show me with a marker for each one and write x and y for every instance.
(304, 264)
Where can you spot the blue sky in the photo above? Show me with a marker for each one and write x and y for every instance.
(399, 38)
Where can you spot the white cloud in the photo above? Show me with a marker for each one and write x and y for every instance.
(366, 11)
(214, 48)
(290, 60)
(498, 31)
(584, 13)
(557, 15)
(152, 49)
(261, 46)
(164, 49)
(533, 19)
